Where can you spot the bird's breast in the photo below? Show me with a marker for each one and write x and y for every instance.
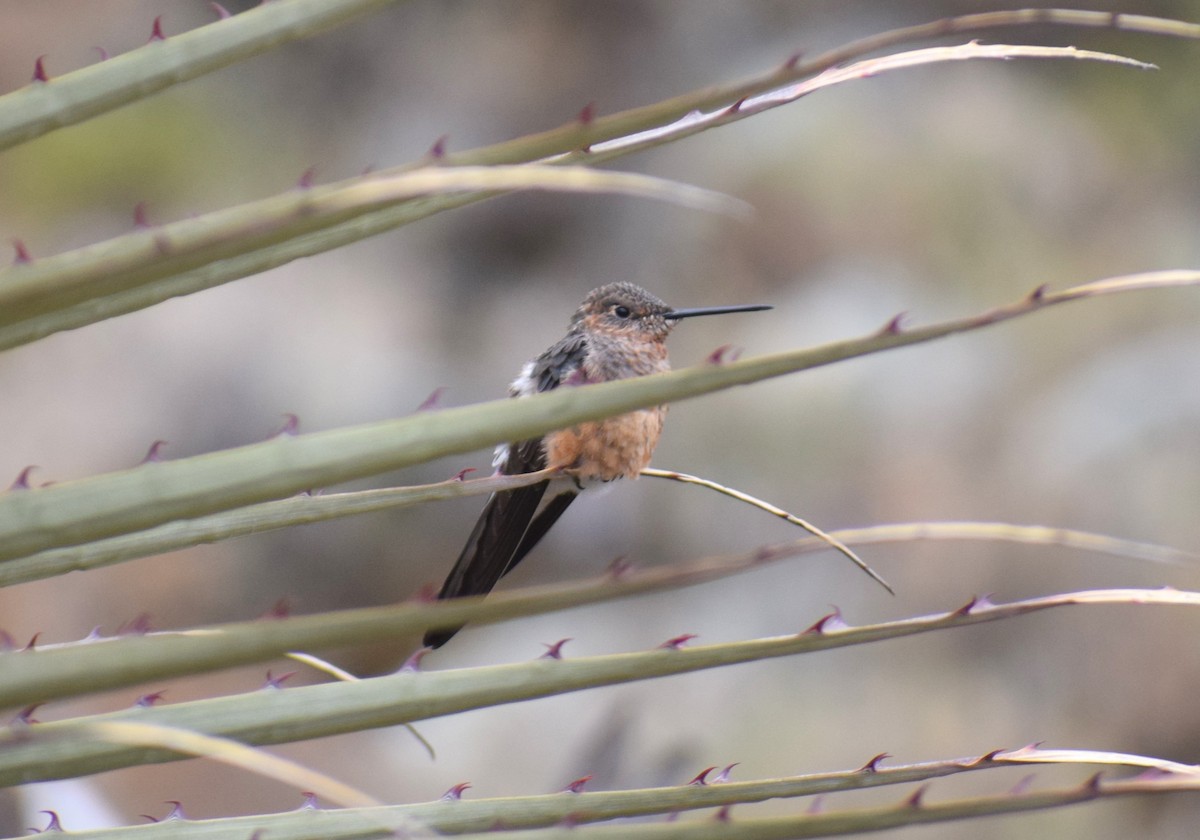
(618, 447)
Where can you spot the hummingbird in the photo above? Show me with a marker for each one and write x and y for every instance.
(618, 332)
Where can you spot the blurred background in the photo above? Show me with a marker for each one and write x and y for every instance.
(940, 191)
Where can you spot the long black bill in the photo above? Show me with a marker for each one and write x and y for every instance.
(676, 314)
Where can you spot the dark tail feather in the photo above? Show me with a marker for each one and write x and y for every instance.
(488, 555)
(539, 526)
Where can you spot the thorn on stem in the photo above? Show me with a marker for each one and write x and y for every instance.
(723, 814)
(702, 777)
(280, 609)
(39, 70)
(176, 811)
(736, 106)
(25, 716)
(139, 216)
(22, 253)
(872, 765)
(32, 644)
(54, 824)
(455, 793)
(278, 681)
(156, 33)
(895, 326)
(619, 567)
(438, 150)
(554, 651)
(103, 53)
(22, 481)
(915, 801)
(310, 801)
(793, 60)
(1038, 294)
(723, 354)
(462, 474)
(412, 665)
(139, 625)
(577, 785)
(148, 700)
(678, 642)
(587, 114)
(830, 621)
(307, 178)
(290, 427)
(221, 12)
(154, 453)
(431, 402)
(723, 776)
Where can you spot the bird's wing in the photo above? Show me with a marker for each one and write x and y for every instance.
(503, 534)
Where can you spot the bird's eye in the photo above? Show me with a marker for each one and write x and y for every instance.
(622, 311)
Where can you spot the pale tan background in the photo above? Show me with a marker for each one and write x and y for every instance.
(940, 191)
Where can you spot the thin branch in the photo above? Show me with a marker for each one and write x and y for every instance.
(830, 540)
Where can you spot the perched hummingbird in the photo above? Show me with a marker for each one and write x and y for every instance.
(618, 332)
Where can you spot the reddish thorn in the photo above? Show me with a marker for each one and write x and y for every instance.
(412, 665)
(176, 811)
(149, 817)
(723, 354)
(577, 785)
(554, 651)
(894, 326)
(7, 642)
(368, 170)
(455, 793)
(103, 53)
(976, 604)
(307, 178)
(22, 482)
(139, 216)
(431, 402)
(723, 814)
(154, 453)
(93, 634)
(872, 766)
(702, 777)
(438, 150)
(280, 609)
(736, 106)
(427, 594)
(723, 776)
(619, 567)
(54, 825)
(291, 425)
(137, 626)
(148, 700)
(310, 801)
(25, 716)
(588, 114)
(1092, 783)
(22, 253)
(1023, 785)
(988, 757)
(39, 70)
(817, 805)
(677, 642)
(792, 61)
(462, 474)
(278, 681)
(221, 12)
(1038, 294)
(33, 641)
(914, 801)
(830, 621)
(156, 34)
